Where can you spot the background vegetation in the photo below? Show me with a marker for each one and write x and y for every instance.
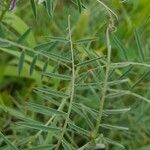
(75, 76)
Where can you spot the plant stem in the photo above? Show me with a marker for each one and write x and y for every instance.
(105, 87)
(72, 87)
(108, 9)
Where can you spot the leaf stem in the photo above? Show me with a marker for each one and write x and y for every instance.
(105, 87)
(72, 88)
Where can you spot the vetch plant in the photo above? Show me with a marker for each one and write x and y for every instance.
(86, 92)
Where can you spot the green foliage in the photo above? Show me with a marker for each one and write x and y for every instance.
(81, 84)
(33, 5)
(8, 142)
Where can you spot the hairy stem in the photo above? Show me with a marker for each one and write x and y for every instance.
(72, 87)
(105, 87)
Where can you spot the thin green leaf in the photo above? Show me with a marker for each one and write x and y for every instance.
(126, 72)
(140, 97)
(111, 83)
(16, 113)
(145, 74)
(43, 46)
(89, 110)
(32, 66)
(44, 147)
(57, 76)
(49, 7)
(9, 143)
(51, 92)
(83, 114)
(139, 45)
(85, 40)
(87, 118)
(4, 44)
(21, 62)
(87, 145)
(39, 127)
(126, 64)
(117, 82)
(116, 94)
(66, 145)
(120, 46)
(33, 5)
(107, 126)
(49, 55)
(28, 58)
(89, 61)
(43, 109)
(131, 93)
(24, 35)
(47, 98)
(75, 2)
(79, 5)
(79, 130)
(58, 39)
(44, 68)
(57, 57)
(117, 111)
(107, 140)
